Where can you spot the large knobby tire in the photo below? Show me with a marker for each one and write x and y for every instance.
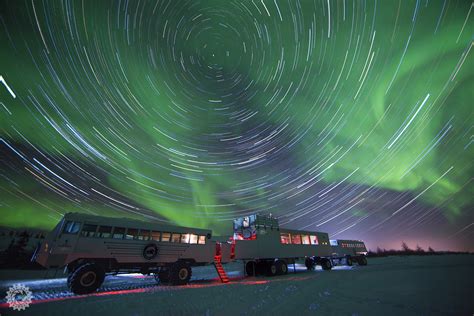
(251, 268)
(326, 264)
(362, 261)
(348, 260)
(271, 268)
(86, 278)
(282, 267)
(180, 273)
(309, 263)
(69, 277)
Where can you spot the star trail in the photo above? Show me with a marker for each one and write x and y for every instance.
(349, 117)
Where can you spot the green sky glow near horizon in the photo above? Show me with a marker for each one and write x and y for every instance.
(200, 111)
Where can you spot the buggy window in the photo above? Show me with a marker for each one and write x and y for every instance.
(202, 240)
(88, 230)
(285, 238)
(175, 237)
(296, 239)
(185, 238)
(71, 227)
(314, 240)
(118, 232)
(305, 239)
(104, 232)
(155, 235)
(144, 234)
(165, 237)
(193, 239)
(132, 233)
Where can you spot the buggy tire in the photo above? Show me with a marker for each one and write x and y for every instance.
(86, 278)
(282, 267)
(309, 263)
(251, 268)
(180, 273)
(348, 260)
(271, 268)
(362, 261)
(326, 264)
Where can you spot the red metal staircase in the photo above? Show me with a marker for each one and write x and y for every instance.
(220, 270)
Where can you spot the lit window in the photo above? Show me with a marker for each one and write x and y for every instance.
(296, 239)
(88, 230)
(285, 238)
(144, 235)
(155, 235)
(132, 233)
(185, 238)
(202, 240)
(175, 237)
(118, 232)
(71, 227)
(193, 239)
(314, 240)
(305, 239)
(165, 237)
(104, 232)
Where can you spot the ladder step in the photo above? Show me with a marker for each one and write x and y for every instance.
(220, 271)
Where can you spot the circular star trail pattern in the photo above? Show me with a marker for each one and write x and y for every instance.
(350, 117)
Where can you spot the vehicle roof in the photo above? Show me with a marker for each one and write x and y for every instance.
(349, 241)
(133, 223)
(304, 232)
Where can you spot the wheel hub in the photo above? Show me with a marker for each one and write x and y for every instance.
(183, 273)
(88, 278)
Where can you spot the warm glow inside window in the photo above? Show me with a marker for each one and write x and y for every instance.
(314, 240)
(132, 233)
(185, 238)
(193, 239)
(144, 234)
(202, 240)
(305, 239)
(175, 237)
(165, 237)
(296, 239)
(285, 238)
(155, 235)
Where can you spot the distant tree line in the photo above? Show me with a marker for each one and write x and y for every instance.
(407, 251)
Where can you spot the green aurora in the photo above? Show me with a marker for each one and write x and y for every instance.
(198, 111)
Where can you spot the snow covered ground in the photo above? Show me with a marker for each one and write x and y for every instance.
(432, 285)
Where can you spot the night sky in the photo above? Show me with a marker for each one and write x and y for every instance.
(349, 117)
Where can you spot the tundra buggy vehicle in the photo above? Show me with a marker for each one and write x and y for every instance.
(267, 249)
(91, 246)
(348, 250)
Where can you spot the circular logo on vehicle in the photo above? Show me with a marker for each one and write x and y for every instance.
(150, 251)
